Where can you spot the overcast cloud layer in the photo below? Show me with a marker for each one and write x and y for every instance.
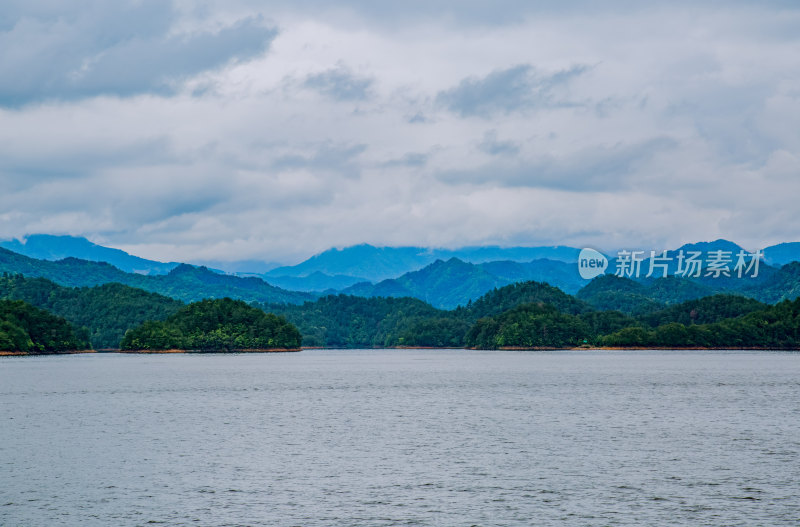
(274, 130)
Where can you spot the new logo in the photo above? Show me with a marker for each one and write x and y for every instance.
(591, 263)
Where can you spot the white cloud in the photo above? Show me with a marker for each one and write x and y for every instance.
(413, 124)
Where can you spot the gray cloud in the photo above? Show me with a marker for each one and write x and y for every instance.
(114, 48)
(517, 88)
(326, 157)
(593, 169)
(686, 121)
(409, 160)
(479, 13)
(340, 84)
(495, 147)
(21, 170)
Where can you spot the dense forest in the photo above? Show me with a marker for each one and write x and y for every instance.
(106, 311)
(529, 325)
(28, 329)
(215, 325)
(356, 322)
(776, 327)
(351, 321)
(720, 321)
(609, 311)
(533, 315)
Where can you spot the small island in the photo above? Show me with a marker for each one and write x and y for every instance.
(220, 325)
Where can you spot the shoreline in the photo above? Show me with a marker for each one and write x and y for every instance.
(254, 350)
(26, 353)
(143, 352)
(296, 350)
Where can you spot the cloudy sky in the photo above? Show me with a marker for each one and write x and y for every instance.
(245, 129)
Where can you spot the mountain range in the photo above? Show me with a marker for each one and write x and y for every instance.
(448, 284)
(331, 270)
(366, 263)
(449, 302)
(184, 282)
(49, 247)
(368, 271)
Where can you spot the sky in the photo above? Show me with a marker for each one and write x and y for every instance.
(242, 129)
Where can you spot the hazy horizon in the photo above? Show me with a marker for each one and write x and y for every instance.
(236, 264)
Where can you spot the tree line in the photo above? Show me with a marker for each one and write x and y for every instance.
(528, 314)
(215, 325)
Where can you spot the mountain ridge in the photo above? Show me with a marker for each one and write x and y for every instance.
(54, 248)
(185, 282)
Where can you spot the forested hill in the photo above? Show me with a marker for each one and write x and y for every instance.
(352, 322)
(192, 284)
(451, 283)
(533, 314)
(448, 284)
(782, 285)
(529, 314)
(510, 296)
(28, 329)
(106, 311)
(215, 325)
(706, 310)
(355, 322)
(442, 284)
(185, 282)
(610, 292)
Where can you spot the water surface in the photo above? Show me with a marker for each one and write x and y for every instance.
(430, 437)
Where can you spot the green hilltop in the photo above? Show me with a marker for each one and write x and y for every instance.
(106, 311)
(215, 325)
(28, 329)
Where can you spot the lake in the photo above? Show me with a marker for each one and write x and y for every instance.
(401, 437)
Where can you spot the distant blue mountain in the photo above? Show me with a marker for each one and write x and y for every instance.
(184, 282)
(447, 284)
(562, 275)
(362, 261)
(461, 274)
(783, 253)
(316, 282)
(334, 269)
(48, 247)
(478, 255)
(238, 267)
(442, 284)
(716, 245)
(373, 264)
